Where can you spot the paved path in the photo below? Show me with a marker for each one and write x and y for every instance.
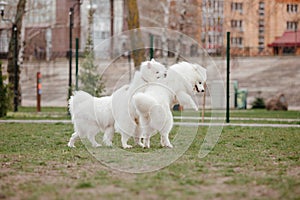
(175, 123)
(240, 118)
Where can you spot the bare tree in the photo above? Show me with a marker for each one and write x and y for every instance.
(11, 57)
(166, 8)
(133, 22)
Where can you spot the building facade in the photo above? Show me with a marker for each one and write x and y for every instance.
(47, 28)
(255, 24)
(212, 26)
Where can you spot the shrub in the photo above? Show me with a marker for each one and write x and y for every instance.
(89, 77)
(258, 103)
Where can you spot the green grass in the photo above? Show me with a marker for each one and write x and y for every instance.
(247, 163)
(46, 113)
(253, 113)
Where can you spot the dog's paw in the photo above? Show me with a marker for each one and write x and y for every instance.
(127, 146)
(141, 144)
(168, 145)
(107, 143)
(97, 145)
(71, 145)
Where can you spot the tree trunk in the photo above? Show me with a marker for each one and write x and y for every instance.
(11, 51)
(135, 37)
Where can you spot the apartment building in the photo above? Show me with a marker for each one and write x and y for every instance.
(256, 24)
(212, 33)
(46, 29)
(258, 27)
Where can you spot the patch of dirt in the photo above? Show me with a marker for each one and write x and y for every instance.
(294, 172)
(18, 183)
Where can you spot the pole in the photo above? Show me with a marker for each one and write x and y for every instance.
(228, 72)
(296, 24)
(111, 28)
(70, 51)
(16, 81)
(76, 61)
(38, 91)
(203, 103)
(151, 46)
(129, 63)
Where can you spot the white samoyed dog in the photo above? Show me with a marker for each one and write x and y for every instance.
(154, 104)
(91, 115)
(123, 111)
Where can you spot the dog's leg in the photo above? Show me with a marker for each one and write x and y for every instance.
(138, 141)
(187, 100)
(124, 139)
(71, 142)
(108, 136)
(138, 136)
(165, 142)
(164, 139)
(92, 139)
(141, 131)
(147, 141)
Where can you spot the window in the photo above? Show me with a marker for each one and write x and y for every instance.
(291, 25)
(237, 24)
(236, 41)
(261, 40)
(40, 12)
(292, 8)
(261, 23)
(261, 9)
(261, 30)
(237, 7)
(4, 40)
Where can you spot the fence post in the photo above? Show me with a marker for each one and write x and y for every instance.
(228, 72)
(151, 46)
(38, 91)
(76, 60)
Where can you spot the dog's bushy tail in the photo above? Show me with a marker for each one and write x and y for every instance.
(78, 98)
(143, 102)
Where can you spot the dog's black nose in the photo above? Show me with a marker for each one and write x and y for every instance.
(202, 90)
(165, 75)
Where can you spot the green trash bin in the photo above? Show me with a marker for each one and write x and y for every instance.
(241, 98)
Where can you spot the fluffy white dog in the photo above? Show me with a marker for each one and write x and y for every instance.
(124, 113)
(154, 104)
(91, 115)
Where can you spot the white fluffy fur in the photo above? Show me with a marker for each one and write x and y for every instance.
(153, 105)
(91, 115)
(125, 115)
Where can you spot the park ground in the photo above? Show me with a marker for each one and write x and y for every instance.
(246, 163)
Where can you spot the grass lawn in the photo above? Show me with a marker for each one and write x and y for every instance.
(247, 163)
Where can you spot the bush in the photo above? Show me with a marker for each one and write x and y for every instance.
(258, 103)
